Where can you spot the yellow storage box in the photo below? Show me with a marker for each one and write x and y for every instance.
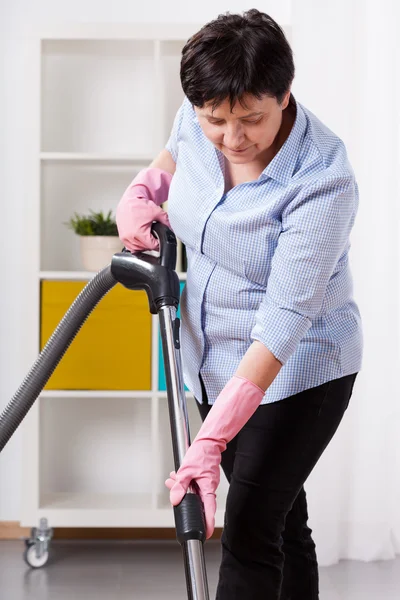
(112, 351)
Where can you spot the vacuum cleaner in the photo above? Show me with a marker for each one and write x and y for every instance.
(157, 276)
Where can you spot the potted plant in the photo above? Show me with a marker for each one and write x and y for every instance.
(99, 239)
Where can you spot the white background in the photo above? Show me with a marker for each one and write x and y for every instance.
(348, 74)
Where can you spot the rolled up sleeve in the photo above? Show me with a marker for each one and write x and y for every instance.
(315, 232)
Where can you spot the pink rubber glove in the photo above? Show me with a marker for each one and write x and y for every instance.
(140, 206)
(233, 408)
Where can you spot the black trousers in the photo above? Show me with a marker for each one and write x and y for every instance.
(267, 549)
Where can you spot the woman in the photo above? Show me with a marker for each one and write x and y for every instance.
(264, 198)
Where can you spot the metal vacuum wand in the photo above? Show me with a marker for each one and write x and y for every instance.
(159, 279)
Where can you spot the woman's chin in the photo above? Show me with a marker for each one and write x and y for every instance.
(239, 160)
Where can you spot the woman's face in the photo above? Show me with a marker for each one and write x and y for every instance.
(243, 135)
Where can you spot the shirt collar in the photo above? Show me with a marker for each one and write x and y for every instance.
(282, 165)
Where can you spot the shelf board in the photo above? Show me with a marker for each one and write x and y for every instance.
(93, 157)
(66, 275)
(119, 31)
(105, 510)
(77, 275)
(114, 394)
(93, 501)
(163, 395)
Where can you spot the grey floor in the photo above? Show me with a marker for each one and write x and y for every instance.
(154, 571)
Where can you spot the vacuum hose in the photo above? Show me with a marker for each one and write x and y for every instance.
(53, 352)
(157, 277)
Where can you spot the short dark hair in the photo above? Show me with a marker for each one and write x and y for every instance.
(236, 55)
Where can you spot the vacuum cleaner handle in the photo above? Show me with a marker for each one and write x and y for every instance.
(155, 275)
(167, 241)
(189, 514)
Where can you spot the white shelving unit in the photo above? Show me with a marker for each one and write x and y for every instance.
(106, 96)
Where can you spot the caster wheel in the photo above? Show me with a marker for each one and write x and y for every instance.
(31, 558)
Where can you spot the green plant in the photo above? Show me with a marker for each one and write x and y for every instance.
(96, 223)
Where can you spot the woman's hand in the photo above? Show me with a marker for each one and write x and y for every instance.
(140, 206)
(231, 411)
(135, 216)
(201, 464)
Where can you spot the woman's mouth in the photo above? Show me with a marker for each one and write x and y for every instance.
(238, 151)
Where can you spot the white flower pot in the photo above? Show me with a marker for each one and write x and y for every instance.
(98, 250)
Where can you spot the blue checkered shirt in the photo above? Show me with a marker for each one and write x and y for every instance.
(268, 260)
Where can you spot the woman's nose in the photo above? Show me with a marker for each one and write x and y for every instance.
(234, 136)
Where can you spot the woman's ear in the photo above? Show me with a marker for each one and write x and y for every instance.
(285, 101)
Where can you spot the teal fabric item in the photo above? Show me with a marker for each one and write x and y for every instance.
(162, 386)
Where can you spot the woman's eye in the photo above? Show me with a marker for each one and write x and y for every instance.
(221, 122)
(252, 122)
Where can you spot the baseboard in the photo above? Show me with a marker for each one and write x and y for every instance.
(11, 530)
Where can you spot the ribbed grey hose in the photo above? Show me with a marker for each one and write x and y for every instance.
(53, 352)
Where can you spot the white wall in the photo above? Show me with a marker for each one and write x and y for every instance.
(20, 17)
(348, 74)
(23, 12)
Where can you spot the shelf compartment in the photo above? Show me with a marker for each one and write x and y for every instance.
(98, 96)
(75, 187)
(112, 351)
(95, 454)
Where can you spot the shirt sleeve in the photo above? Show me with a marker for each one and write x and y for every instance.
(315, 233)
(172, 144)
